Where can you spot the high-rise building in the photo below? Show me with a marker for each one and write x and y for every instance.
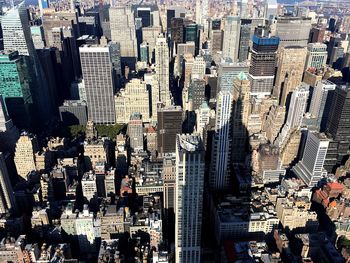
(231, 38)
(97, 70)
(134, 98)
(16, 85)
(321, 102)
(240, 116)
(135, 132)
(221, 145)
(73, 112)
(189, 198)
(316, 56)
(149, 35)
(293, 31)
(37, 36)
(263, 60)
(202, 117)
(202, 9)
(338, 127)
(244, 39)
(16, 31)
(316, 35)
(123, 30)
(290, 68)
(197, 92)
(25, 155)
(144, 52)
(177, 30)
(8, 132)
(162, 70)
(145, 14)
(169, 124)
(7, 199)
(310, 167)
(43, 4)
(228, 72)
(270, 10)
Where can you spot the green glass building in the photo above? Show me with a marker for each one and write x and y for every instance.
(15, 87)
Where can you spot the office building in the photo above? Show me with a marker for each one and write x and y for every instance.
(73, 112)
(169, 124)
(176, 11)
(316, 56)
(228, 72)
(293, 31)
(244, 39)
(316, 35)
(273, 122)
(221, 146)
(87, 229)
(150, 35)
(97, 70)
(25, 155)
(144, 52)
(189, 197)
(162, 70)
(88, 185)
(135, 132)
(321, 102)
(8, 132)
(198, 68)
(202, 9)
(240, 116)
(197, 93)
(202, 117)
(134, 98)
(37, 34)
(7, 199)
(310, 167)
(262, 68)
(290, 68)
(16, 84)
(145, 14)
(177, 31)
(337, 128)
(231, 38)
(123, 30)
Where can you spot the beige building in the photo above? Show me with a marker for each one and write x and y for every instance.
(133, 99)
(273, 122)
(290, 68)
(94, 151)
(149, 35)
(24, 156)
(294, 213)
(289, 150)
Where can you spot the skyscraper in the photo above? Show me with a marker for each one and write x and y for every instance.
(97, 70)
(169, 124)
(197, 92)
(135, 132)
(24, 156)
(321, 102)
(316, 56)
(310, 167)
(338, 127)
(123, 31)
(189, 198)
(8, 132)
(221, 147)
(162, 69)
(7, 199)
(228, 72)
(290, 68)
(16, 31)
(244, 39)
(293, 31)
(145, 14)
(231, 38)
(263, 60)
(16, 87)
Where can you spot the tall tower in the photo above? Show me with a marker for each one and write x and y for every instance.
(231, 37)
(123, 30)
(7, 199)
(8, 132)
(263, 60)
(290, 68)
(169, 124)
(220, 164)
(97, 70)
(316, 56)
(162, 70)
(24, 156)
(135, 132)
(321, 102)
(338, 127)
(16, 31)
(189, 197)
(310, 168)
